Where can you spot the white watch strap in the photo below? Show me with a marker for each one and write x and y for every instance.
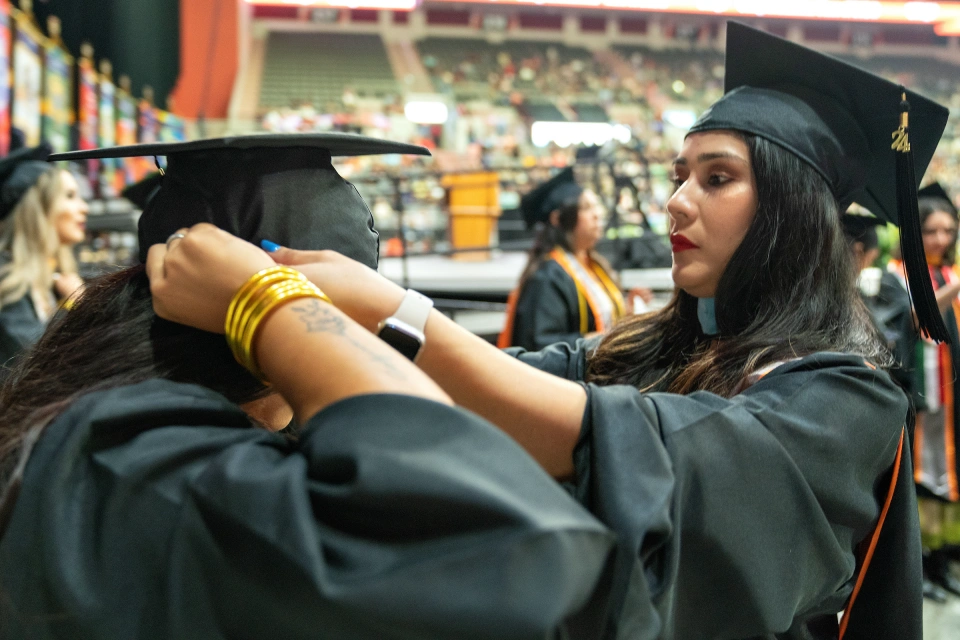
(414, 310)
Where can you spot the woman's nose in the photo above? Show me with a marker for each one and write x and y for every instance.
(679, 206)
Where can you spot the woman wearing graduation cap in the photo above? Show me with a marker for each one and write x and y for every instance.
(144, 493)
(567, 290)
(42, 216)
(745, 443)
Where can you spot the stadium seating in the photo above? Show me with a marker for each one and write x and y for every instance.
(316, 68)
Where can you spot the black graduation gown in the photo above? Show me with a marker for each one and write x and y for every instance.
(738, 518)
(548, 311)
(20, 328)
(157, 511)
(893, 316)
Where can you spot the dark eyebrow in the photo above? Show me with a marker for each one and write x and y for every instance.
(707, 157)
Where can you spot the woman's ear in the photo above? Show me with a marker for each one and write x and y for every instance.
(555, 218)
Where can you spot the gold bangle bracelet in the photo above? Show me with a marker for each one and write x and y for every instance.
(252, 287)
(273, 305)
(257, 281)
(262, 294)
(234, 320)
(253, 283)
(249, 310)
(256, 314)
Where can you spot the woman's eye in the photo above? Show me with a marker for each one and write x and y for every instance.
(677, 181)
(717, 179)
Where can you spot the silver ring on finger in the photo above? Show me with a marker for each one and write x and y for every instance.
(175, 236)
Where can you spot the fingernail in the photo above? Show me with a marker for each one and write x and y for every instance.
(268, 246)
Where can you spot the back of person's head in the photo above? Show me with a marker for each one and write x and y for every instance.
(278, 188)
(787, 290)
(112, 338)
(28, 240)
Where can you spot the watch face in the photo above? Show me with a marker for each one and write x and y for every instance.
(403, 341)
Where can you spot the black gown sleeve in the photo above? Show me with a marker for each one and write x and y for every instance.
(392, 517)
(547, 310)
(738, 518)
(560, 359)
(20, 328)
(894, 317)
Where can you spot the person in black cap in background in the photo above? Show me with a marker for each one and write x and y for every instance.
(567, 290)
(936, 384)
(42, 217)
(637, 245)
(140, 501)
(745, 443)
(884, 294)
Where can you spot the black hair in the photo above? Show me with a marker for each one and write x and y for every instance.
(787, 291)
(111, 338)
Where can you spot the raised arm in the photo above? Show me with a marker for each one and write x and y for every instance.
(540, 411)
(311, 352)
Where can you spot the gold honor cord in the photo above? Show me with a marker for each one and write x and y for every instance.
(901, 137)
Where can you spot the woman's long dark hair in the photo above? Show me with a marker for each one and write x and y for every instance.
(550, 236)
(787, 292)
(111, 338)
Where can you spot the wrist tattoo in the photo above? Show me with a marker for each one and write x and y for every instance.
(321, 318)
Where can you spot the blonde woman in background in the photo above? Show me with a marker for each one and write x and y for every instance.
(42, 217)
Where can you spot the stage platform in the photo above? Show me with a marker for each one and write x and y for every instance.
(481, 287)
(494, 277)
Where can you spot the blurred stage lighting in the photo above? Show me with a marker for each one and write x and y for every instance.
(564, 134)
(426, 112)
(680, 118)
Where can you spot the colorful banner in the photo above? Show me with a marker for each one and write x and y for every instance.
(4, 77)
(126, 135)
(88, 114)
(57, 98)
(149, 125)
(108, 135)
(149, 133)
(27, 78)
(172, 128)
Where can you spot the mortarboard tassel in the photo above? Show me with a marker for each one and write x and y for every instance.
(929, 320)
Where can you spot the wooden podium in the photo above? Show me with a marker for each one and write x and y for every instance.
(474, 206)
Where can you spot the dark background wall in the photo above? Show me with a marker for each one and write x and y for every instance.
(140, 37)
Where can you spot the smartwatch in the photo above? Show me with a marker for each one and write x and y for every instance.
(404, 329)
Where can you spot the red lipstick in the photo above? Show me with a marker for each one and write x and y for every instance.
(681, 243)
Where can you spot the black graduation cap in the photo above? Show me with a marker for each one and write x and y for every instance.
(278, 187)
(937, 192)
(862, 228)
(142, 192)
(18, 172)
(549, 196)
(850, 125)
